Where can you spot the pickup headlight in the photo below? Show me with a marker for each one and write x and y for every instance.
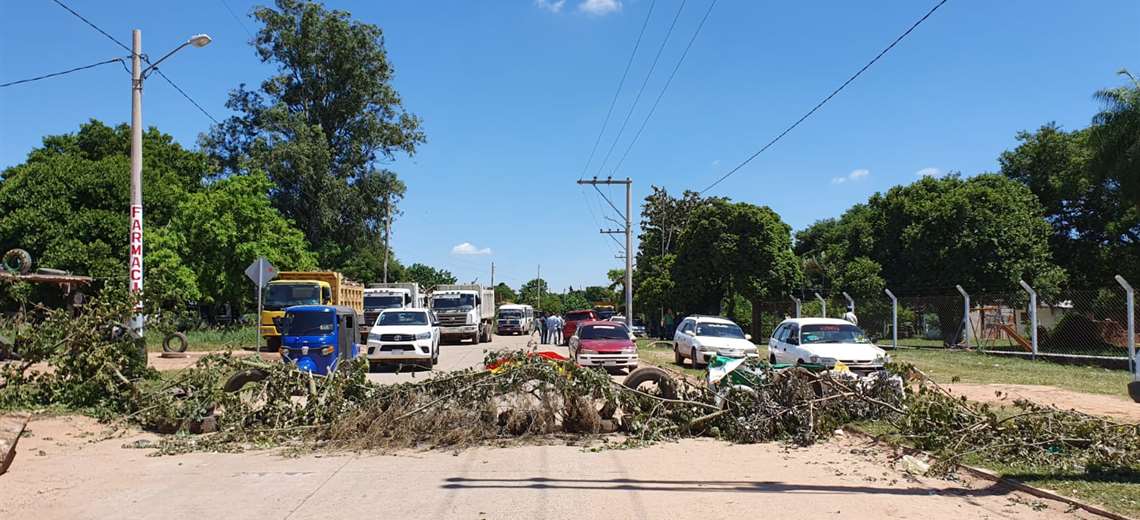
(424, 335)
(587, 351)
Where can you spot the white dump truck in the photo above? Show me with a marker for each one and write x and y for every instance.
(380, 296)
(464, 312)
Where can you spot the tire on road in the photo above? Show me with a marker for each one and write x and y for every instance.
(666, 385)
(175, 342)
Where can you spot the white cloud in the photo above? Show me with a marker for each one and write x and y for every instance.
(467, 248)
(554, 6)
(600, 7)
(854, 176)
(928, 172)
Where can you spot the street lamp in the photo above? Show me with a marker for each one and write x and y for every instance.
(138, 74)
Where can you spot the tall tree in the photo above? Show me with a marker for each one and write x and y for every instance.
(1116, 138)
(504, 294)
(319, 126)
(427, 276)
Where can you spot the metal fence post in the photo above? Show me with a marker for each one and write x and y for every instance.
(797, 300)
(1032, 314)
(894, 319)
(1130, 304)
(850, 301)
(965, 313)
(822, 304)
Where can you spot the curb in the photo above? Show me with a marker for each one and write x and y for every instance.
(11, 426)
(986, 474)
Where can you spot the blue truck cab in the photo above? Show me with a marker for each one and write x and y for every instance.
(317, 338)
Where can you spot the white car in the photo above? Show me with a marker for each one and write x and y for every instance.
(404, 335)
(826, 341)
(699, 338)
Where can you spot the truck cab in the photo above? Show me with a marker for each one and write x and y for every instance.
(287, 293)
(464, 312)
(317, 338)
(380, 296)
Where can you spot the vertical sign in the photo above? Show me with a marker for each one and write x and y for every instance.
(136, 265)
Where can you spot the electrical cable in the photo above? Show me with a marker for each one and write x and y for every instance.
(54, 74)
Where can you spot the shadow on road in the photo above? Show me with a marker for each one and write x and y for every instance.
(708, 486)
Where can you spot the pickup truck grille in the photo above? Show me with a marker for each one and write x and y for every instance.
(397, 337)
(453, 320)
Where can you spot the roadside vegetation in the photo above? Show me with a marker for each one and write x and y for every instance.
(949, 366)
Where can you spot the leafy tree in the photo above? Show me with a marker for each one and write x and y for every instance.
(529, 292)
(1115, 137)
(221, 229)
(574, 300)
(319, 126)
(729, 249)
(663, 217)
(427, 276)
(504, 294)
(67, 204)
(594, 294)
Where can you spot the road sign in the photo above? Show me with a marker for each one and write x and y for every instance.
(261, 271)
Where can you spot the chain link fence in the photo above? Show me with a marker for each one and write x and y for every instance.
(1075, 323)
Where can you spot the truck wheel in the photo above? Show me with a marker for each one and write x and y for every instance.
(179, 342)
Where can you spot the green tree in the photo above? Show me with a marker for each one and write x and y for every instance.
(319, 126)
(221, 229)
(529, 292)
(427, 276)
(729, 249)
(1115, 137)
(574, 300)
(67, 204)
(504, 294)
(663, 217)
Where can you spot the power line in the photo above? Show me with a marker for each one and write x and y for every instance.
(54, 74)
(644, 82)
(606, 121)
(665, 88)
(144, 58)
(236, 19)
(826, 99)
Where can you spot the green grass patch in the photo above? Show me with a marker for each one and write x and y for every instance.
(947, 366)
(210, 339)
(660, 353)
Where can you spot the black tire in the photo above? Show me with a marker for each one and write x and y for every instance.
(696, 359)
(435, 356)
(771, 359)
(240, 379)
(1134, 391)
(666, 386)
(678, 359)
(180, 342)
(17, 261)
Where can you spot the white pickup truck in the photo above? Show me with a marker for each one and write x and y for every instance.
(465, 311)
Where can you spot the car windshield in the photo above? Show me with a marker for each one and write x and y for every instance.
(510, 313)
(387, 301)
(309, 323)
(838, 333)
(453, 301)
(402, 318)
(577, 316)
(720, 330)
(286, 295)
(604, 332)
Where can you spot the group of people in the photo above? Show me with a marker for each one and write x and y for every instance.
(550, 328)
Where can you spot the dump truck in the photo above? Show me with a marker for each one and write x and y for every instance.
(380, 296)
(465, 311)
(305, 288)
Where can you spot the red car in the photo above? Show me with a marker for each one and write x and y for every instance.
(603, 344)
(573, 318)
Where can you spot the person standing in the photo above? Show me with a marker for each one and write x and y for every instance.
(542, 329)
(561, 329)
(667, 328)
(552, 328)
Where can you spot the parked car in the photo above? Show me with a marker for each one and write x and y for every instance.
(699, 338)
(638, 327)
(405, 335)
(573, 318)
(826, 341)
(606, 344)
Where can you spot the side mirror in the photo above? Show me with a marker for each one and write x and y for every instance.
(748, 337)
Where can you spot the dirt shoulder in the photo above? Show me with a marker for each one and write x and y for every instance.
(1116, 408)
(72, 467)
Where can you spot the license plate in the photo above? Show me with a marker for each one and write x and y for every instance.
(397, 351)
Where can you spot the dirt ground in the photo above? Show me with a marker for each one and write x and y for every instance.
(1117, 408)
(71, 467)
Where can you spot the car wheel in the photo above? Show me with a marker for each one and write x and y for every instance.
(696, 359)
(677, 357)
(772, 359)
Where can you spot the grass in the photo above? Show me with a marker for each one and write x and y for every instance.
(971, 367)
(661, 354)
(210, 339)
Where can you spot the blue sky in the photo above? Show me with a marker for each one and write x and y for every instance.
(513, 94)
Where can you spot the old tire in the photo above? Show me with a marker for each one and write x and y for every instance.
(17, 261)
(240, 379)
(666, 386)
(175, 342)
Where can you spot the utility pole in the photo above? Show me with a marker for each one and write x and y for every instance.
(628, 234)
(138, 74)
(539, 282)
(387, 231)
(493, 281)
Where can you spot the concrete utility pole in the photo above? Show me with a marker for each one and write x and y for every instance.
(628, 233)
(138, 75)
(387, 231)
(539, 282)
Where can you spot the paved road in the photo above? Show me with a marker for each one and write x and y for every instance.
(460, 356)
(63, 472)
